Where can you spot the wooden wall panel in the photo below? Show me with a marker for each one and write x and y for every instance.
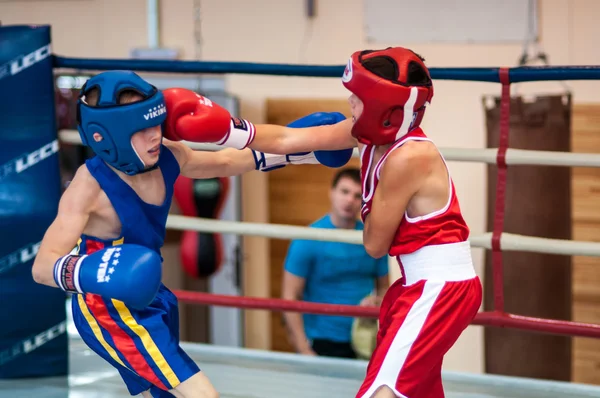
(297, 196)
(586, 227)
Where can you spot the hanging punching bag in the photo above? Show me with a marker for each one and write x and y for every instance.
(201, 253)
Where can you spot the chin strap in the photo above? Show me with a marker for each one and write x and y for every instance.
(149, 168)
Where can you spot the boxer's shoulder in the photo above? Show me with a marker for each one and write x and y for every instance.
(84, 182)
(83, 191)
(411, 158)
(416, 151)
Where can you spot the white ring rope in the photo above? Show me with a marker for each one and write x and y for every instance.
(508, 242)
(487, 155)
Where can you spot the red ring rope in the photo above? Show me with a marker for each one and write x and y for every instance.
(484, 318)
(274, 304)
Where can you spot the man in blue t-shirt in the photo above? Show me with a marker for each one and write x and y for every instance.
(333, 273)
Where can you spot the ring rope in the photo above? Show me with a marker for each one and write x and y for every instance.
(275, 231)
(508, 242)
(495, 318)
(491, 75)
(479, 155)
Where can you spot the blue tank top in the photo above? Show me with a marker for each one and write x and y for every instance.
(141, 223)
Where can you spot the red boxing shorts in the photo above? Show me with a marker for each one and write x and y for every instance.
(421, 317)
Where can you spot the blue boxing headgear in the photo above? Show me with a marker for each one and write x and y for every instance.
(117, 123)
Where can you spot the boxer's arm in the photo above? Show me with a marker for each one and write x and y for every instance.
(293, 289)
(298, 266)
(206, 164)
(401, 177)
(382, 276)
(283, 140)
(382, 284)
(74, 209)
(192, 117)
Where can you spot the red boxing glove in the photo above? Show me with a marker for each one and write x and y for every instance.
(192, 117)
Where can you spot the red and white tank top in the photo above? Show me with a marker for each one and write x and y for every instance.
(443, 226)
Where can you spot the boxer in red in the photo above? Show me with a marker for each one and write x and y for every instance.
(410, 211)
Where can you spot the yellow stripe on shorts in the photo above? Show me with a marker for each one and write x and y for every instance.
(148, 343)
(96, 329)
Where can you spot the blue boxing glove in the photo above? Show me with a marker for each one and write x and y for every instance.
(128, 273)
(317, 119)
(338, 158)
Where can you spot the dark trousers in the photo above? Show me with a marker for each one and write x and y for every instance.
(328, 348)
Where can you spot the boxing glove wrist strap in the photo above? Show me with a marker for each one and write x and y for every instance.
(66, 273)
(241, 134)
(269, 161)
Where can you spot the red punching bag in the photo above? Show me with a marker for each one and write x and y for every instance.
(201, 252)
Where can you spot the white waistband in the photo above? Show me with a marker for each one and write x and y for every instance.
(449, 263)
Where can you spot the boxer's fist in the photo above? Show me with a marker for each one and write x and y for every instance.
(192, 117)
(318, 119)
(334, 159)
(128, 273)
(327, 158)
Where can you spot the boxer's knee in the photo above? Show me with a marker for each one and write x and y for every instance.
(384, 392)
(147, 394)
(197, 386)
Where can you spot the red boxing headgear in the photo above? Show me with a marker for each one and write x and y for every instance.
(392, 105)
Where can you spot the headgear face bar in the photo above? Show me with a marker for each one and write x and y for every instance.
(392, 108)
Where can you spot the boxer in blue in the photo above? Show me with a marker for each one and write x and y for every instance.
(104, 245)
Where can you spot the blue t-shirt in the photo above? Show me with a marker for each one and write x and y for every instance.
(335, 273)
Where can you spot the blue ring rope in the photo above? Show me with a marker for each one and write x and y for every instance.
(518, 74)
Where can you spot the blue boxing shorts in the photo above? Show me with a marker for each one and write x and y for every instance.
(142, 345)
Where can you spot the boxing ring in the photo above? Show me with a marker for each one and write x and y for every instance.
(496, 241)
(238, 372)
